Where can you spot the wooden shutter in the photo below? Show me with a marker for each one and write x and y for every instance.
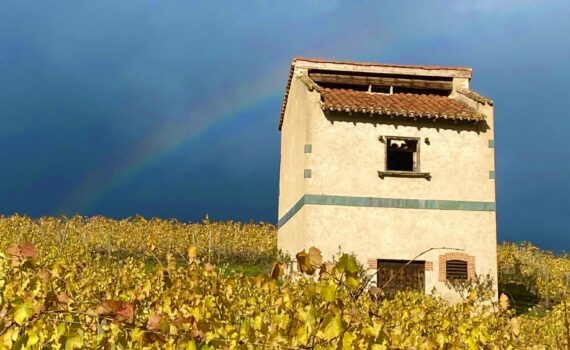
(456, 270)
(410, 277)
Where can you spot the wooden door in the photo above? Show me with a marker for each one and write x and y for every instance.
(411, 277)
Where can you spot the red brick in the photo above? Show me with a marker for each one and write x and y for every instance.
(470, 259)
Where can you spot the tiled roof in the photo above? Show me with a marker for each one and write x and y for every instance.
(418, 105)
(406, 105)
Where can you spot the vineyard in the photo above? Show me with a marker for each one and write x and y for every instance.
(161, 284)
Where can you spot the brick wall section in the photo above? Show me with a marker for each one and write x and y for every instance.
(429, 266)
(470, 259)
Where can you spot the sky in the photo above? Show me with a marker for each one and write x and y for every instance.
(170, 109)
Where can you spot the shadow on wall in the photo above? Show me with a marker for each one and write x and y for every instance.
(365, 118)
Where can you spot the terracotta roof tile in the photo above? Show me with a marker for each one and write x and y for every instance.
(429, 106)
(407, 105)
(476, 97)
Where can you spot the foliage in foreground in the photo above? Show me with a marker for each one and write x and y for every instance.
(539, 274)
(97, 303)
(64, 294)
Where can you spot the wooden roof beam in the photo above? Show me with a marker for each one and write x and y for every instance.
(381, 81)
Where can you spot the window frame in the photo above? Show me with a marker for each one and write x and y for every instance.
(462, 256)
(417, 173)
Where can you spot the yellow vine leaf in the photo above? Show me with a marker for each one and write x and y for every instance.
(504, 302)
(23, 311)
(333, 326)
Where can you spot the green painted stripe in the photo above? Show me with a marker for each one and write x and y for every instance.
(371, 202)
(308, 148)
(307, 173)
(492, 174)
(491, 143)
(288, 215)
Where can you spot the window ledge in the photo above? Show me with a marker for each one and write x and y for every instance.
(394, 173)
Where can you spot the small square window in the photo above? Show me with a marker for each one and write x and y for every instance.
(402, 155)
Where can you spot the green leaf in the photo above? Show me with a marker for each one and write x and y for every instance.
(22, 312)
(347, 263)
(352, 282)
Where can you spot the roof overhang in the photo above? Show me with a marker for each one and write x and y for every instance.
(370, 68)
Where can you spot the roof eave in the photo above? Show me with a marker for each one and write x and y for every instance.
(370, 67)
(475, 117)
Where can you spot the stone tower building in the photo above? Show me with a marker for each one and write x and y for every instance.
(388, 161)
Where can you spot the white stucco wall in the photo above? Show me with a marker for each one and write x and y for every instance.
(401, 234)
(292, 184)
(347, 156)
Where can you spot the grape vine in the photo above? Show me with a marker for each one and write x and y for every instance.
(159, 284)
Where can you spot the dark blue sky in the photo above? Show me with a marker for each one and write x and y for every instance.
(170, 109)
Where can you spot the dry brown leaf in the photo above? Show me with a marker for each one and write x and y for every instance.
(277, 270)
(28, 251)
(63, 298)
(13, 251)
(126, 312)
(315, 257)
(118, 310)
(326, 270)
(153, 323)
(376, 293)
(504, 302)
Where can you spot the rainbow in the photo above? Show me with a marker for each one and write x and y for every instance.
(169, 137)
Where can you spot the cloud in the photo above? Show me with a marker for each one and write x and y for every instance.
(170, 108)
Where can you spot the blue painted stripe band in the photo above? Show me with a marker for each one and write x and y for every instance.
(491, 143)
(491, 174)
(371, 202)
(307, 173)
(308, 148)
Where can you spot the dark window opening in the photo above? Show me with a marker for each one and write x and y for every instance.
(354, 87)
(456, 270)
(380, 89)
(402, 155)
(418, 91)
